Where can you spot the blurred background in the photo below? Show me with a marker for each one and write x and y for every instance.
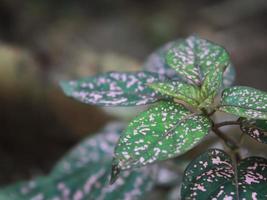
(44, 41)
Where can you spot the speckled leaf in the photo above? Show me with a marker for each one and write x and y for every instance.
(185, 92)
(114, 89)
(156, 62)
(209, 175)
(244, 102)
(211, 86)
(83, 174)
(164, 131)
(93, 150)
(257, 129)
(252, 178)
(193, 58)
(212, 176)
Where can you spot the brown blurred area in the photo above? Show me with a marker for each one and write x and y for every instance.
(44, 41)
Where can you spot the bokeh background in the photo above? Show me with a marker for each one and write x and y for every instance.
(44, 41)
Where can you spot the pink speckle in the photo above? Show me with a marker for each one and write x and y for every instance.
(102, 80)
(131, 82)
(96, 97)
(253, 167)
(254, 196)
(256, 132)
(216, 160)
(228, 198)
(250, 179)
(78, 195)
(113, 87)
(201, 187)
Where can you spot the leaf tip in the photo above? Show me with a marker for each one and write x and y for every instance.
(66, 87)
(115, 171)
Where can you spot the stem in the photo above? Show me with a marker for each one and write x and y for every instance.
(226, 123)
(211, 113)
(232, 144)
(236, 158)
(205, 112)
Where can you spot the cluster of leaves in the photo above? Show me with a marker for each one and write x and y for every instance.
(183, 81)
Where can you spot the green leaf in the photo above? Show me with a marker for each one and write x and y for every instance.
(178, 90)
(211, 86)
(194, 57)
(252, 178)
(84, 173)
(212, 176)
(191, 94)
(114, 89)
(156, 62)
(164, 131)
(257, 129)
(244, 102)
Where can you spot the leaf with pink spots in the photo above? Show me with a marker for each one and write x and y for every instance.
(156, 62)
(164, 131)
(244, 102)
(211, 86)
(186, 93)
(212, 176)
(84, 174)
(252, 178)
(114, 89)
(256, 129)
(193, 58)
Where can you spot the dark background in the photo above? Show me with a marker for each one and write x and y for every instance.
(43, 41)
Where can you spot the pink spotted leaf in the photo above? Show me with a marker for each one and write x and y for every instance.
(244, 102)
(256, 129)
(193, 58)
(114, 89)
(212, 176)
(164, 131)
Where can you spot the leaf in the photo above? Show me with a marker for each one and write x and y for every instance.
(244, 102)
(211, 86)
(94, 150)
(114, 89)
(193, 58)
(257, 129)
(212, 176)
(252, 178)
(84, 173)
(205, 175)
(191, 94)
(156, 62)
(164, 131)
(178, 90)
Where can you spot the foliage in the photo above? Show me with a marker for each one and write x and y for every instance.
(183, 115)
(183, 81)
(245, 102)
(164, 131)
(83, 174)
(213, 176)
(255, 128)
